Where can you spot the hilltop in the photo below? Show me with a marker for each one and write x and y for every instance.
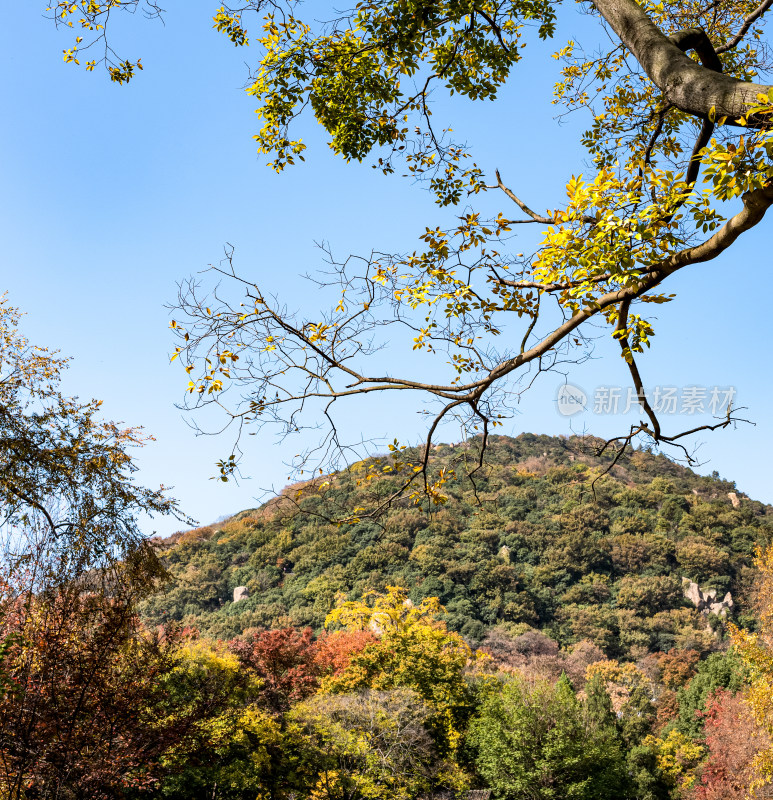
(529, 546)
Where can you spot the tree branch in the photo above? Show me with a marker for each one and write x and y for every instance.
(756, 203)
(534, 216)
(697, 39)
(620, 328)
(744, 29)
(691, 87)
(526, 210)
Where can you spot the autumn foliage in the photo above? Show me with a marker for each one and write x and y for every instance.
(392, 705)
(78, 674)
(733, 741)
(291, 663)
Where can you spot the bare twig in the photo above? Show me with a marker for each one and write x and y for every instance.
(534, 216)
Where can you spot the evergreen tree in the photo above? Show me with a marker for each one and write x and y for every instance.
(719, 670)
(539, 742)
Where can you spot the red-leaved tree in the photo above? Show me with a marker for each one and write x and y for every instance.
(292, 662)
(77, 673)
(85, 707)
(733, 740)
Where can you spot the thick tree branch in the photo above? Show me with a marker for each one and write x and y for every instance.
(755, 204)
(697, 39)
(691, 87)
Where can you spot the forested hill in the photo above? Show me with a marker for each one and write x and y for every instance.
(537, 548)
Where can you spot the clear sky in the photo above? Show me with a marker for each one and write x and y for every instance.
(111, 195)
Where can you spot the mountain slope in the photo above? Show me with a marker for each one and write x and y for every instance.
(530, 546)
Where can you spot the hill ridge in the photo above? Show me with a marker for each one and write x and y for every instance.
(541, 551)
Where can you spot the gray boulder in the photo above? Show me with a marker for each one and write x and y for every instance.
(692, 592)
(706, 602)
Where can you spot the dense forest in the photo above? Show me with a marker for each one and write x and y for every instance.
(543, 537)
(560, 626)
(533, 619)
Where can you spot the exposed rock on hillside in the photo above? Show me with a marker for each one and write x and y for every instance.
(706, 602)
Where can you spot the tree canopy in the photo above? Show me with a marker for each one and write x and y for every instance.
(679, 151)
(69, 505)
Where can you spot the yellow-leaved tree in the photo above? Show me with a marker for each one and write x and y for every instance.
(414, 651)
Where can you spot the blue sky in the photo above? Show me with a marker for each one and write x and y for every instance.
(111, 195)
